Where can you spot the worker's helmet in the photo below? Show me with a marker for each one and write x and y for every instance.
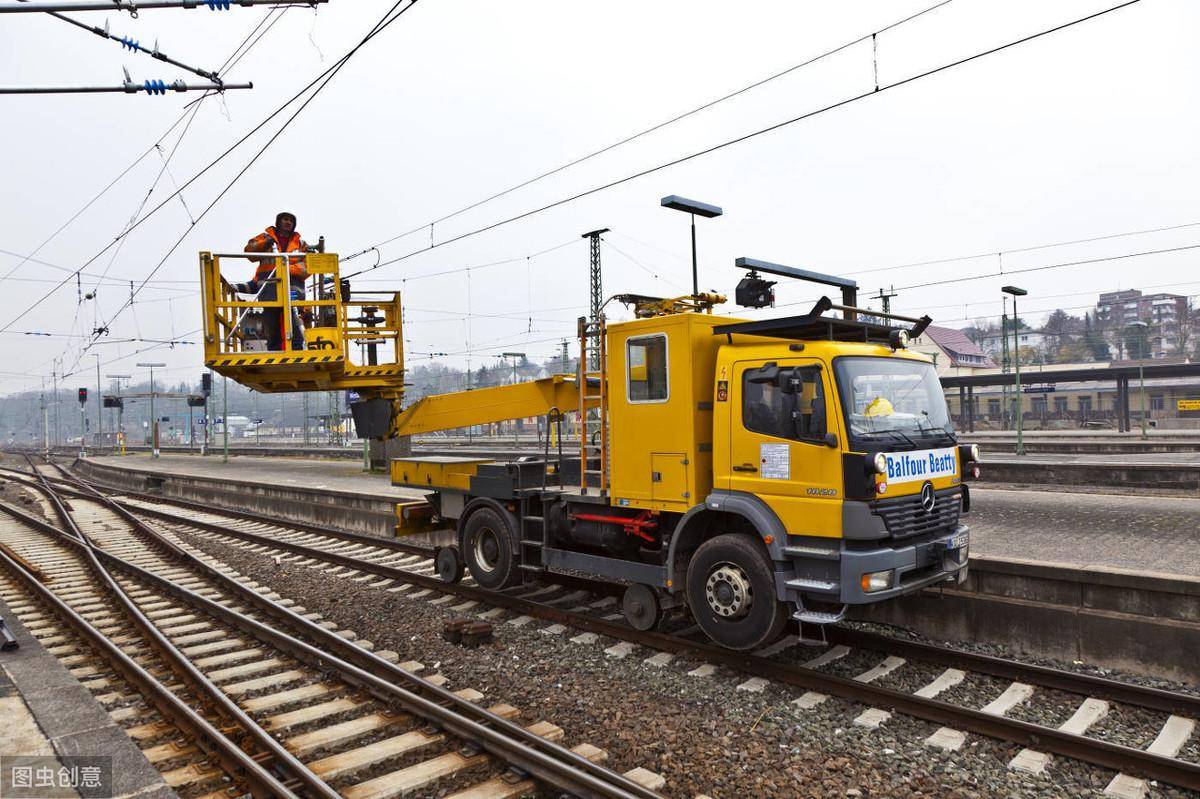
(279, 216)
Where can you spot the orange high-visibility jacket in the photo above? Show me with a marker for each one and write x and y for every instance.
(297, 267)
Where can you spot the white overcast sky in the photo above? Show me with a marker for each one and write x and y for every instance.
(1087, 132)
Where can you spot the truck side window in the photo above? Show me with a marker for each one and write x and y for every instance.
(646, 368)
(792, 406)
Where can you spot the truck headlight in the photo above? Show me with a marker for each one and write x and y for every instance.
(873, 582)
(974, 453)
(880, 463)
(898, 339)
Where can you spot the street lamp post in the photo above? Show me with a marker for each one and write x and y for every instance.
(694, 208)
(514, 356)
(99, 408)
(1142, 328)
(225, 419)
(1016, 292)
(153, 419)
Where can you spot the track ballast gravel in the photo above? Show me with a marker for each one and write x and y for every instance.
(702, 734)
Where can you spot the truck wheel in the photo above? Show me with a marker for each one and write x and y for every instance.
(448, 564)
(731, 591)
(488, 549)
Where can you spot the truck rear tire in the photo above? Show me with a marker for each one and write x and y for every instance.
(489, 550)
(731, 591)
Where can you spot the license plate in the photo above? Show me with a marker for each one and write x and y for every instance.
(960, 541)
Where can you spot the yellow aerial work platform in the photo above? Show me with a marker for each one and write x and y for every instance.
(349, 344)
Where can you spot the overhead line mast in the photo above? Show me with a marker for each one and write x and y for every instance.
(134, 6)
(150, 87)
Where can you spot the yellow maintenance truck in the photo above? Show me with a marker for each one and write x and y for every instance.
(748, 471)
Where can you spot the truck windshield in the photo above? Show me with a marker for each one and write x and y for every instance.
(893, 399)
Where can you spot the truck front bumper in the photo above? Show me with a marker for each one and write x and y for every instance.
(913, 567)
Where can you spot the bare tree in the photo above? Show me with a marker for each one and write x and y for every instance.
(1185, 330)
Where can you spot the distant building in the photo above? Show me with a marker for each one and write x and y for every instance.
(1043, 343)
(1117, 310)
(952, 352)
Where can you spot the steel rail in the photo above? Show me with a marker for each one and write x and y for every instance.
(1078, 747)
(234, 761)
(1044, 676)
(510, 742)
(186, 671)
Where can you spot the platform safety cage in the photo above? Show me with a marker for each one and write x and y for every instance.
(352, 344)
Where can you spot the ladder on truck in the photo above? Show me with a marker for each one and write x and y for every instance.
(593, 350)
(534, 539)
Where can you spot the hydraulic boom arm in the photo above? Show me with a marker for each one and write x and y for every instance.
(486, 405)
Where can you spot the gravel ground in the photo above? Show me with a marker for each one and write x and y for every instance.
(702, 734)
(17, 495)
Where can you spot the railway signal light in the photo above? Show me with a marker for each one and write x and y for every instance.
(82, 396)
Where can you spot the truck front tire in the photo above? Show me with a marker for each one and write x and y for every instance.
(489, 550)
(731, 592)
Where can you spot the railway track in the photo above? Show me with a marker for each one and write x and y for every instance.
(586, 606)
(224, 685)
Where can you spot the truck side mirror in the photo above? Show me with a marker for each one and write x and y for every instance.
(831, 440)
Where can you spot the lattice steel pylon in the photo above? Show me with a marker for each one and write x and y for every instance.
(597, 290)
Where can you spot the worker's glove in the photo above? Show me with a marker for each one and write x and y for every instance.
(242, 288)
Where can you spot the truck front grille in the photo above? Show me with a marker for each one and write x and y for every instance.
(904, 517)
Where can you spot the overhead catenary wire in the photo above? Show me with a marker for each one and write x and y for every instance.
(652, 129)
(1016, 250)
(390, 16)
(129, 43)
(872, 92)
(1023, 270)
(262, 123)
(230, 63)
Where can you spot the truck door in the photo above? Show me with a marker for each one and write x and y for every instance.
(780, 417)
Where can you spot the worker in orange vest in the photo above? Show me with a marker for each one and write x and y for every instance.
(282, 238)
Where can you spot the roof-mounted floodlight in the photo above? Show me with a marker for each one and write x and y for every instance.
(849, 287)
